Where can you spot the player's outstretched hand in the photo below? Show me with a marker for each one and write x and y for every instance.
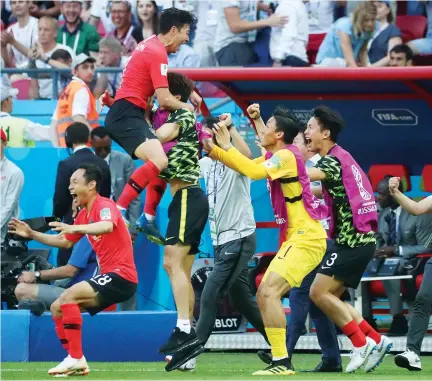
(254, 111)
(196, 100)
(62, 228)
(394, 184)
(20, 228)
(223, 136)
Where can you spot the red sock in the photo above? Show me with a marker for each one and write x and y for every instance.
(369, 331)
(137, 182)
(353, 332)
(72, 324)
(154, 193)
(58, 321)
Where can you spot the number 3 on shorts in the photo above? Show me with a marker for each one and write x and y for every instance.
(330, 262)
(102, 279)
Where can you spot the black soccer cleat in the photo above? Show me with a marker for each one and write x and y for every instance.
(184, 355)
(265, 356)
(277, 368)
(178, 341)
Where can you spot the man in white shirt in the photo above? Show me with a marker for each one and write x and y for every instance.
(12, 181)
(288, 43)
(25, 31)
(320, 14)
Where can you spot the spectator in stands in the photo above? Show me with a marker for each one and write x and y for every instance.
(184, 57)
(79, 36)
(40, 9)
(82, 265)
(386, 36)
(288, 43)
(121, 16)
(110, 50)
(321, 15)
(401, 55)
(101, 12)
(78, 136)
(148, 20)
(25, 31)
(400, 235)
(41, 56)
(43, 88)
(345, 45)
(76, 103)
(423, 45)
(121, 168)
(205, 34)
(20, 132)
(12, 181)
(351, 5)
(236, 31)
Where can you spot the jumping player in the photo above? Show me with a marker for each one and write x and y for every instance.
(297, 212)
(145, 74)
(353, 222)
(102, 222)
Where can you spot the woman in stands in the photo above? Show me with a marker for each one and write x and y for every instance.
(148, 20)
(345, 45)
(423, 302)
(386, 36)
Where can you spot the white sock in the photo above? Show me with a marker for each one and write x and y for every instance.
(278, 358)
(149, 217)
(184, 325)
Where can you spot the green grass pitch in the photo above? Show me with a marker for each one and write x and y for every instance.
(216, 366)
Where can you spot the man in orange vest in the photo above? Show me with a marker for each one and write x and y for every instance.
(76, 102)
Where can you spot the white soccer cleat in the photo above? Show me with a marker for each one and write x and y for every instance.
(378, 354)
(188, 366)
(409, 360)
(70, 366)
(360, 355)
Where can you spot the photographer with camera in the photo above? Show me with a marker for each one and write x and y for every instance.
(32, 291)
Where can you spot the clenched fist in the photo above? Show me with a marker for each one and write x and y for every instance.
(254, 111)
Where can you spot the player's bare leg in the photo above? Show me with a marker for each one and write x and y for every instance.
(269, 297)
(66, 313)
(183, 335)
(156, 161)
(325, 292)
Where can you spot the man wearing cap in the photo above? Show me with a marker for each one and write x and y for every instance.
(78, 35)
(19, 132)
(76, 102)
(12, 181)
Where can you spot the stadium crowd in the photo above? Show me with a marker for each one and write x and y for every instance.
(86, 35)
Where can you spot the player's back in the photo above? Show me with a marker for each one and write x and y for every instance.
(114, 250)
(300, 224)
(145, 70)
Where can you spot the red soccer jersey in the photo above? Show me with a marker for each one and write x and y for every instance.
(145, 71)
(114, 250)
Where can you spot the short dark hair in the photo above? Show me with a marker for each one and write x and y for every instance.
(99, 132)
(61, 54)
(329, 119)
(180, 85)
(287, 123)
(403, 48)
(175, 17)
(77, 133)
(92, 173)
(209, 121)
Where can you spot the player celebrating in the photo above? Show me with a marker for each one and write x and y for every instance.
(297, 212)
(145, 74)
(102, 222)
(353, 222)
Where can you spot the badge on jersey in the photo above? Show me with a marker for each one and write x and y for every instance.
(273, 162)
(164, 69)
(105, 214)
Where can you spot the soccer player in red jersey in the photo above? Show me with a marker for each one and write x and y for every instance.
(103, 224)
(145, 74)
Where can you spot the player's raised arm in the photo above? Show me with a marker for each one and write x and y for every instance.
(23, 230)
(237, 140)
(255, 114)
(416, 208)
(315, 174)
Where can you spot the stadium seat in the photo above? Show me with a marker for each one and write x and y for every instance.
(412, 27)
(23, 86)
(315, 41)
(423, 60)
(377, 172)
(257, 268)
(426, 179)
